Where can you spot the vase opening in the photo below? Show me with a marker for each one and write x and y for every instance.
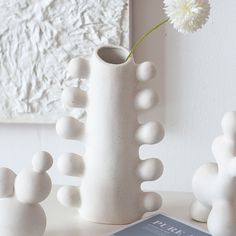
(112, 55)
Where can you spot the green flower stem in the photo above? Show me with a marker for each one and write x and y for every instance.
(141, 39)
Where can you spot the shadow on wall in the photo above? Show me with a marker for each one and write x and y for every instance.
(145, 15)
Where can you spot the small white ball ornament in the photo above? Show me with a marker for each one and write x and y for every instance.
(42, 161)
(32, 187)
(150, 133)
(7, 179)
(71, 164)
(199, 212)
(19, 219)
(229, 125)
(78, 68)
(150, 169)
(69, 128)
(152, 201)
(146, 99)
(69, 196)
(146, 71)
(74, 97)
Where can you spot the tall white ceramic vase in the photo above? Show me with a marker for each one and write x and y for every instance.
(111, 170)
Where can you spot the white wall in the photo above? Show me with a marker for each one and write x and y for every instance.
(196, 83)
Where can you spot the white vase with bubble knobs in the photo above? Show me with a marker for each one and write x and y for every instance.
(214, 184)
(111, 170)
(20, 195)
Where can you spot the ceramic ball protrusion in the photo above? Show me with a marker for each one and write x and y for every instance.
(78, 68)
(152, 201)
(69, 196)
(146, 99)
(203, 182)
(199, 212)
(33, 186)
(7, 179)
(42, 161)
(71, 164)
(150, 169)
(146, 71)
(229, 125)
(150, 133)
(69, 128)
(232, 167)
(222, 147)
(74, 97)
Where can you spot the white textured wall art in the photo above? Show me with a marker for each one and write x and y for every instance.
(38, 38)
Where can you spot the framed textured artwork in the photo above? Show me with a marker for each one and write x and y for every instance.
(38, 38)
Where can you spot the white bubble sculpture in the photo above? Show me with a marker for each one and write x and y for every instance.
(20, 195)
(214, 184)
(111, 171)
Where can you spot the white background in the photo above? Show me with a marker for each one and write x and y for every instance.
(196, 82)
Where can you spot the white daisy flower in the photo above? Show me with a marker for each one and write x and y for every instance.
(187, 16)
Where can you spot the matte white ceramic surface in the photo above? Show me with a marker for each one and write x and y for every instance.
(20, 195)
(111, 170)
(214, 184)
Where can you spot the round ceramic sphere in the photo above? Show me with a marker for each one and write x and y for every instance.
(78, 68)
(69, 196)
(150, 169)
(223, 146)
(32, 187)
(146, 99)
(150, 133)
(199, 212)
(74, 97)
(229, 125)
(200, 186)
(42, 161)
(19, 219)
(7, 179)
(232, 167)
(146, 71)
(68, 127)
(152, 201)
(70, 164)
